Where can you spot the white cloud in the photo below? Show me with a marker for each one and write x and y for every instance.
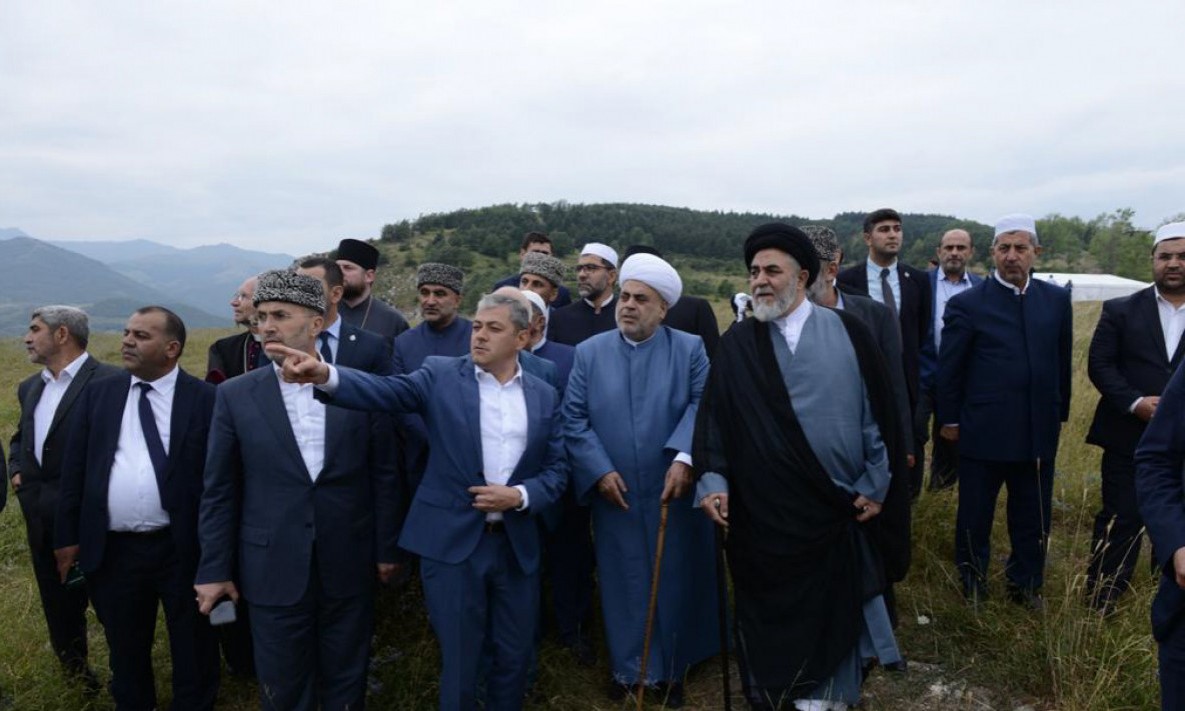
(290, 126)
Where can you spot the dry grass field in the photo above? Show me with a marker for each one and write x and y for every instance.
(998, 657)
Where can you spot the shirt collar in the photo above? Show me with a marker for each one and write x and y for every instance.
(1161, 300)
(874, 268)
(164, 384)
(334, 329)
(70, 370)
(1007, 285)
(483, 376)
(965, 279)
(796, 317)
(607, 301)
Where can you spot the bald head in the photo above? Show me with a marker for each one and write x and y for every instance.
(954, 251)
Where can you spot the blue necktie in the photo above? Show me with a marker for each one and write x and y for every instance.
(156, 450)
(326, 352)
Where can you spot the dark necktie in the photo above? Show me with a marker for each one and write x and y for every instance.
(326, 352)
(887, 293)
(156, 450)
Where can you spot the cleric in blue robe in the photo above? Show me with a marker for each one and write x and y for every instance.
(629, 418)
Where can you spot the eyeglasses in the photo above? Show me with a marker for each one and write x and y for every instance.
(580, 268)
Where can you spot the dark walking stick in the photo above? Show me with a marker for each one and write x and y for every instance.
(662, 535)
(722, 608)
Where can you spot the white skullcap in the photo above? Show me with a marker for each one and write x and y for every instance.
(1172, 230)
(1018, 222)
(537, 300)
(655, 273)
(603, 251)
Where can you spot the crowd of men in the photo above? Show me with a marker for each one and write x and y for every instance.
(544, 452)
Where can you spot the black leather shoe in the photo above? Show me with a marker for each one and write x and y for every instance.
(1026, 597)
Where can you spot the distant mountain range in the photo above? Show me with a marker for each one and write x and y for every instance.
(111, 279)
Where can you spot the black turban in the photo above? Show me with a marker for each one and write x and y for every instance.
(789, 239)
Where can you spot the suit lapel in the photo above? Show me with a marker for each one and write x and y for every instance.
(471, 402)
(76, 385)
(183, 402)
(534, 422)
(909, 290)
(335, 428)
(271, 405)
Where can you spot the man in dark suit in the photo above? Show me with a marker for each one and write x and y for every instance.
(1003, 390)
(1160, 491)
(338, 341)
(541, 243)
(128, 509)
(304, 497)
(235, 355)
(359, 307)
(496, 458)
(905, 291)
(558, 353)
(596, 275)
(690, 314)
(1134, 352)
(952, 277)
(56, 339)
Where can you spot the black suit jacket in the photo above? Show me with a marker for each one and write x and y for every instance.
(917, 350)
(694, 315)
(1127, 361)
(86, 467)
(228, 357)
(364, 350)
(39, 480)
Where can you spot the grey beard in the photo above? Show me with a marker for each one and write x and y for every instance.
(764, 311)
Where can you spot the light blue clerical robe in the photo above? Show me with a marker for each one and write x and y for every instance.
(631, 409)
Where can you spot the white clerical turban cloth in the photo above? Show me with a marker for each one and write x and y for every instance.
(537, 300)
(1172, 230)
(1013, 223)
(655, 273)
(603, 251)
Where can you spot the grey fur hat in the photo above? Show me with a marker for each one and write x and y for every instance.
(543, 265)
(443, 274)
(291, 288)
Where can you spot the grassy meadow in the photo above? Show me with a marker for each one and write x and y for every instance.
(1065, 657)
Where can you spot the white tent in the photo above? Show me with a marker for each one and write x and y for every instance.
(1092, 287)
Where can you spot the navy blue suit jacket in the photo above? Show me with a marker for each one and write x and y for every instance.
(1160, 490)
(442, 523)
(86, 468)
(1127, 361)
(364, 350)
(262, 505)
(1004, 370)
(563, 356)
(916, 315)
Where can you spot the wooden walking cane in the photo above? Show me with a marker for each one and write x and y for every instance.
(662, 535)
(722, 608)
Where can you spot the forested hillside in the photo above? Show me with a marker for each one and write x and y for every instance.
(1107, 243)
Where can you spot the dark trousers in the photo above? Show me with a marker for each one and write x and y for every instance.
(1118, 531)
(1171, 657)
(235, 641)
(944, 454)
(64, 608)
(314, 652)
(486, 595)
(570, 563)
(140, 571)
(1030, 490)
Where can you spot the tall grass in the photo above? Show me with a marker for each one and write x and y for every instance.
(1066, 657)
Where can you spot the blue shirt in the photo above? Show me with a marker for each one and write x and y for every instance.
(943, 290)
(874, 282)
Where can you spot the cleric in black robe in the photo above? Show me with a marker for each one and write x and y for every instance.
(810, 546)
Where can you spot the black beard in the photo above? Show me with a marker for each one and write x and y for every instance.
(351, 291)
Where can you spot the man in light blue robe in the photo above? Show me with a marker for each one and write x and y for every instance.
(629, 418)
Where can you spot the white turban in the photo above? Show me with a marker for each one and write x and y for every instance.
(537, 300)
(1172, 230)
(1017, 222)
(655, 273)
(603, 251)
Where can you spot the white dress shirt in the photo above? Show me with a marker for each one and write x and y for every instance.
(874, 282)
(1172, 323)
(790, 325)
(306, 415)
(51, 397)
(945, 290)
(133, 498)
(503, 418)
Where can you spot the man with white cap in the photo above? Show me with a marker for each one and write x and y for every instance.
(596, 274)
(629, 414)
(1160, 491)
(1134, 352)
(1002, 392)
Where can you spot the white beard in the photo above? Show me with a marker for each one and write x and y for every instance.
(766, 311)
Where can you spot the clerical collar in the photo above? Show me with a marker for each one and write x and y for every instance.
(1018, 291)
(607, 302)
(634, 343)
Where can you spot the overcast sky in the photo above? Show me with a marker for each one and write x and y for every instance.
(286, 126)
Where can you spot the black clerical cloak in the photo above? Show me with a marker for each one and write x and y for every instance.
(800, 568)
